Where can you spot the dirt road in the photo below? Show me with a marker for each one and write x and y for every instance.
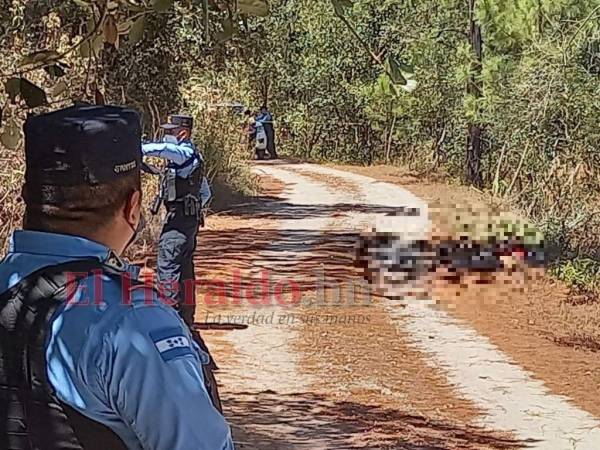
(328, 364)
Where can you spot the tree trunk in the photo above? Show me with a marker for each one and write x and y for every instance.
(474, 88)
(389, 141)
(369, 146)
(540, 18)
(316, 135)
(265, 90)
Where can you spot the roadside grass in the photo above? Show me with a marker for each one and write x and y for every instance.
(11, 205)
(582, 274)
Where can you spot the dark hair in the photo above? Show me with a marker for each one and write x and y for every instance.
(79, 210)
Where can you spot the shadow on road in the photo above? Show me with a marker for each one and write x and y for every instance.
(238, 261)
(298, 255)
(310, 421)
(276, 209)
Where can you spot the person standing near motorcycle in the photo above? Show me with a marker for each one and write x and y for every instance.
(266, 118)
(185, 192)
(91, 358)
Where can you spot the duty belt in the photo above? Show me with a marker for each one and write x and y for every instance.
(190, 205)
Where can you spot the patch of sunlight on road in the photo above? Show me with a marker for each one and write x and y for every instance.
(265, 351)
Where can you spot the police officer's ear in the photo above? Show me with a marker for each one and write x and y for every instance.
(184, 133)
(133, 208)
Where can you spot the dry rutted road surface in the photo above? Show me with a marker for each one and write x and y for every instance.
(326, 363)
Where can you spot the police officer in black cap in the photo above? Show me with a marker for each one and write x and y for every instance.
(184, 192)
(90, 358)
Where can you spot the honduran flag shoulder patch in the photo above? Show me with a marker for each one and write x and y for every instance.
(171, 343)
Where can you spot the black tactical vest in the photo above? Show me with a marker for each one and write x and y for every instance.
(31, 415)
(191, 184)
(178, 188)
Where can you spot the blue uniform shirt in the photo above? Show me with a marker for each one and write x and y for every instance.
(180, 154)
(124, 359)
(265, 118)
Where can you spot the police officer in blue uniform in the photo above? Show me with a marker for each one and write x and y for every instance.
(266, 118)
(184, 192)
(89, 357)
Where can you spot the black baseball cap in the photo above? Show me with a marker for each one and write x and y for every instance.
(82, 145)
(178, 121)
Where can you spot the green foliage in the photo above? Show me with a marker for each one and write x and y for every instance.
(579, 273)
(358, 81)
(340, 6)
(61, 37)
(162, 5)
(136, 32)
(253, 7)
(537, 105)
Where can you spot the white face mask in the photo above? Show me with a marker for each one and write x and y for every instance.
(170, 139)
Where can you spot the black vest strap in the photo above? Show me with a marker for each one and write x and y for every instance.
(31, 416)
